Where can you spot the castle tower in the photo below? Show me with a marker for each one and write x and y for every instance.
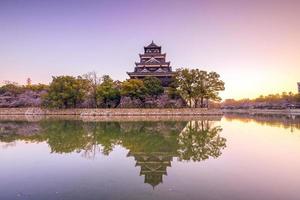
(153, 63)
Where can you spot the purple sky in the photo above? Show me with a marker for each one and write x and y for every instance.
(254, 45)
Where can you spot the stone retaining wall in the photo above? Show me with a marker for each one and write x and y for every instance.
(111, 112)
(157, 118)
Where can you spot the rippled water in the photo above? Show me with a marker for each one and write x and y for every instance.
(236, 157)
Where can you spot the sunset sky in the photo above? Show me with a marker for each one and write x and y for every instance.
(254, 45)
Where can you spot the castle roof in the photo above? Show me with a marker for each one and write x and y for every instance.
(152, 45)
(152, 60)
(153, 64)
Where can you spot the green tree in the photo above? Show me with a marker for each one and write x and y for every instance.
(133, 88)
(172, 89)
(37, 87)
(11, 87)
(153, 86)
(195, 85)
(207, 86)
(66, 92)
(107, 92)
(185, 81)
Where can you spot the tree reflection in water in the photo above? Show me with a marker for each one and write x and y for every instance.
(152, 144)
(200, 140)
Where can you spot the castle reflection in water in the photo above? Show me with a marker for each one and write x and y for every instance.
(153, 144)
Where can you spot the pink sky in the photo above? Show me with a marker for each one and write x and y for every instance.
(253, 45)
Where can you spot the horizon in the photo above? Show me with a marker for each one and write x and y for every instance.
(253, 45)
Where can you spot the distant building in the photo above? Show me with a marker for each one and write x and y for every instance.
(153, 64)
(28, 81)
(298, 87)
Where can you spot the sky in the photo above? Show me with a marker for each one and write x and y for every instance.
(254, 45)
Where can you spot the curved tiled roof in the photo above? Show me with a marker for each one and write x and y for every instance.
(152, 45)
(152, 60)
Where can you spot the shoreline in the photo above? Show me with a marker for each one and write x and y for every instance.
(37, 118)
(142, 112)
(286, 112)
(113, 112)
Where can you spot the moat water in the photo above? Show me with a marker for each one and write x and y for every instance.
(234, 157)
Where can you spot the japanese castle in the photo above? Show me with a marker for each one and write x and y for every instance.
(153, 63)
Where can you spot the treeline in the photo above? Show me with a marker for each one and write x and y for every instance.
(271, 101)
(190, 87)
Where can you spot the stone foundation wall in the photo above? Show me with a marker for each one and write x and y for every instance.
(110, 112)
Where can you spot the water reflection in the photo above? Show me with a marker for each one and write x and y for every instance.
(200, 140)
(153, 145)
(284, 121)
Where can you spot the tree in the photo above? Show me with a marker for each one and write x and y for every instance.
(195, 85)
(153, 86)
(207, 86)
(11, 87)
(184, 79)
(133, 88)
(172, 90)
(66, 91)
(94, 82)
(37, 87)
(107, 92)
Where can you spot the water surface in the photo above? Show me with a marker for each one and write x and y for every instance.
(235, 157)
